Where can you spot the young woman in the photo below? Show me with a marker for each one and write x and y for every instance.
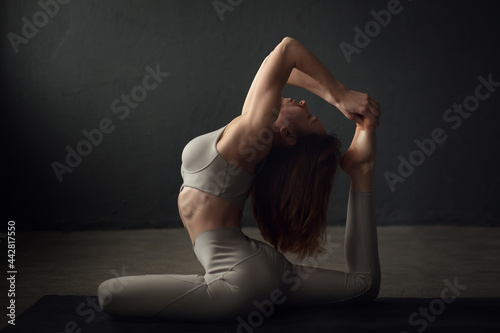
(277, 151)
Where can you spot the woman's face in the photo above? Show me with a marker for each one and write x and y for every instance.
(299, 118)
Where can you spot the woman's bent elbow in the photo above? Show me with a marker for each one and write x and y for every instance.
(287, 41)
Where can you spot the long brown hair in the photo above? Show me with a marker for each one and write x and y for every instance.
(290, 194)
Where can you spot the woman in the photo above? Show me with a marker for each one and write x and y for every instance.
(277, 151)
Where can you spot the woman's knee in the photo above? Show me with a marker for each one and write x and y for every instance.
(371, 292)
(108, 293)
(374, 289)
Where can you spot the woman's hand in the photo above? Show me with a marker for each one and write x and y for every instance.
(360, 157)
(359, 107)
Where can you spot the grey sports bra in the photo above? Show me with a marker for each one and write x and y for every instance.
(204, 169)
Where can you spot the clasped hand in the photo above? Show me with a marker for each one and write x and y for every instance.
(359, 107)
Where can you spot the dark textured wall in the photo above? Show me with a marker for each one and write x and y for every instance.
(74, 72)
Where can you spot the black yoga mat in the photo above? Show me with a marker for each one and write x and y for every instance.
(79, 314)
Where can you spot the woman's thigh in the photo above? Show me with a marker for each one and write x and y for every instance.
(228, 289)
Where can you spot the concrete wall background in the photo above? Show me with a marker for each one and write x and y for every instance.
(65, 77)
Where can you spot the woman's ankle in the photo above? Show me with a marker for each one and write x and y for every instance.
(362, 180)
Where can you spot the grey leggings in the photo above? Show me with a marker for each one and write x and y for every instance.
(243, 274)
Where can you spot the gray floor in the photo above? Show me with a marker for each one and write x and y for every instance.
(415, 260)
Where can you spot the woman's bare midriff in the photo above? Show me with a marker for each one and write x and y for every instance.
(201, 211)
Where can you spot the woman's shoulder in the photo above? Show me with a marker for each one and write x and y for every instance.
(243, 143)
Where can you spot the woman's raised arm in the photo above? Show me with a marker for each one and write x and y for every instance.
(311, 74)
(264, 94)
(292, 63)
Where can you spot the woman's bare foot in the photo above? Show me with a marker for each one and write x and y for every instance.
(359, 160)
